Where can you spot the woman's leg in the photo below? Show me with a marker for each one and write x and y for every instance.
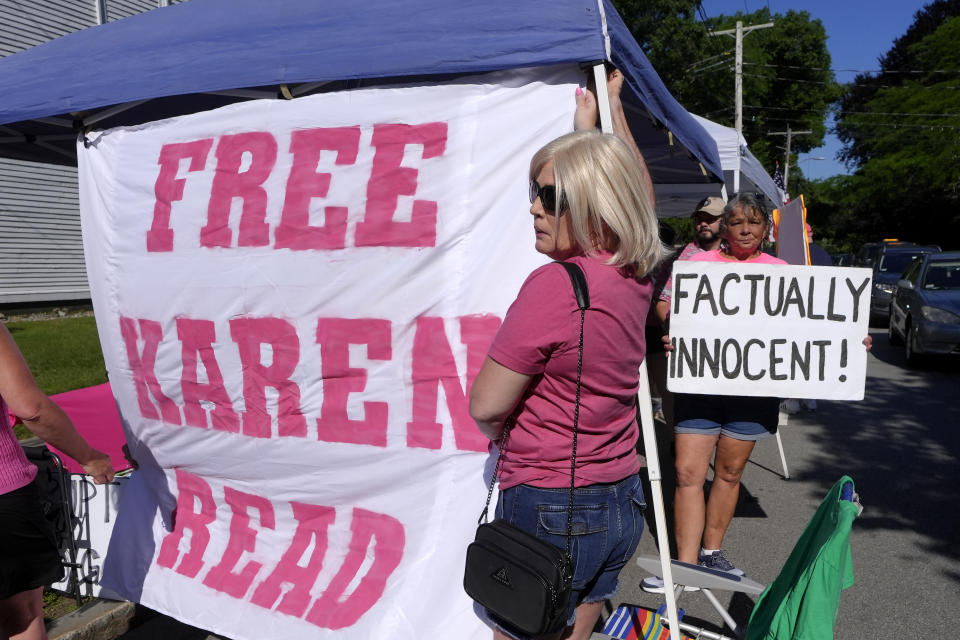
(732, 456)
(21, 616)
(587, 615)
(693, 460)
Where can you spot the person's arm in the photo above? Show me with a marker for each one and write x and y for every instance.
(585, 118)
(662, 309)
(41, 415)
(494, 395)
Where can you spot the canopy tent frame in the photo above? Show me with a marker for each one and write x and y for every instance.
(645, 403)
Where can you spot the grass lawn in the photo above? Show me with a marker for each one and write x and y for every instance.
(63, 354)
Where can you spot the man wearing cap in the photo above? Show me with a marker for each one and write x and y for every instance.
(706, 225)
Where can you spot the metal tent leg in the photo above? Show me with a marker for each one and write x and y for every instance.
(782, 422)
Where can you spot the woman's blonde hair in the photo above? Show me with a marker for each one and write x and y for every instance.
(607, 198)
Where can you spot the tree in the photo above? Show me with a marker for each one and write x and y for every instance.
(901, 65)
(787, 77)
(901, 129)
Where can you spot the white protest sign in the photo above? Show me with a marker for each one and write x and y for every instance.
(293, 298)
(769, 330)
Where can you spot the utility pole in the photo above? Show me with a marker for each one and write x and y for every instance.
(786, 163)
(739, 33)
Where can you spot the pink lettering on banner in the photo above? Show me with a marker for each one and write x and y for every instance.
(169, 188)
(229, 183)
(143, 365)
(243, 538)
(191, 490)
(281, 335)
(433, 366)
(304, 184)
(312, 524)
(330, 611)
(292, 580)
(340, 379)
(197, 337)
(389, 180)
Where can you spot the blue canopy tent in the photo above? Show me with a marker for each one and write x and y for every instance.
(203, 54)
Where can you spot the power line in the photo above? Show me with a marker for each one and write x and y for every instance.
(906, 71)
(883, 125)
(878, 86)
(867, 113)
(797, 80)
(898, 125)
(694, 67)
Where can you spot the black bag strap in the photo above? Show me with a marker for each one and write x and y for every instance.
(579, 282)
(582, 294)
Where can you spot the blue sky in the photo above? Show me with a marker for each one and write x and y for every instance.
(858, 33)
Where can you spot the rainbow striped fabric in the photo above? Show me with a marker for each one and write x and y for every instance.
(635, 623)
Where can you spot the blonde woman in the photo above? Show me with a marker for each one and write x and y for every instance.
(590, 205)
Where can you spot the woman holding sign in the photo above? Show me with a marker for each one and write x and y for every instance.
(591, 207)
(727, 425)
(731, 425)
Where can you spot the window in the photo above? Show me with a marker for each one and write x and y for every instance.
(942, 275)
(913, 272)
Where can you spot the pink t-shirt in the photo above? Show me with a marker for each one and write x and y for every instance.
(15, 470)
(716, 256)
(540, 337)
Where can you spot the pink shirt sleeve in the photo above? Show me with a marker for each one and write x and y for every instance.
(537, 323)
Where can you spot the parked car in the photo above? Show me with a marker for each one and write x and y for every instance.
(888, 265)
(843, 259)
(925, 308)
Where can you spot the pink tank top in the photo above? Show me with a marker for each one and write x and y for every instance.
(15, 470)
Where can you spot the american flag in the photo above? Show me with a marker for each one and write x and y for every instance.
(778, 180)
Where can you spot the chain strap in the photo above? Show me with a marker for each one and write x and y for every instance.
(573, 458)
(576, 422)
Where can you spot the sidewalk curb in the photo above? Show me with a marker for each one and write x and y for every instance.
(98, 620)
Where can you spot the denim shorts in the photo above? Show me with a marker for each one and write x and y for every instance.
(742, 418)
(607, 524)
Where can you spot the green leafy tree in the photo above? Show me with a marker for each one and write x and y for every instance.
(787, 77)
(901, 129)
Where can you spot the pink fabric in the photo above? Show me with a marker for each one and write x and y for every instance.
(94, 413)
(666, 292)
(716, 256)
(15, 470)
(540, 337)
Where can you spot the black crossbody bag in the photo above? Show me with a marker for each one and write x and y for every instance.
(522, 581)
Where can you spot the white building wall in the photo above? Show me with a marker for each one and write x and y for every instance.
(41, 252)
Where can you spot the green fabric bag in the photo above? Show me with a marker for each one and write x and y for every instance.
(801, 604)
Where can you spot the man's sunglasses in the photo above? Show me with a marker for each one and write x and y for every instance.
(548, 197)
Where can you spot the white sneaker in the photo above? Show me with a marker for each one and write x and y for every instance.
(654, 584)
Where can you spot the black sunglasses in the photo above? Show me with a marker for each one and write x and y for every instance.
(548, 196)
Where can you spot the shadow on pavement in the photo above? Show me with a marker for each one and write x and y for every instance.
(901, 446)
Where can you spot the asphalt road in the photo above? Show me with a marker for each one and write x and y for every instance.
(901, 447)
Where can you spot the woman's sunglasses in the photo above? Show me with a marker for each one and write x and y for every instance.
(548, 196)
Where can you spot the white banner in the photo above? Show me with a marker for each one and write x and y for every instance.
(292, 297)
(769, 330)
